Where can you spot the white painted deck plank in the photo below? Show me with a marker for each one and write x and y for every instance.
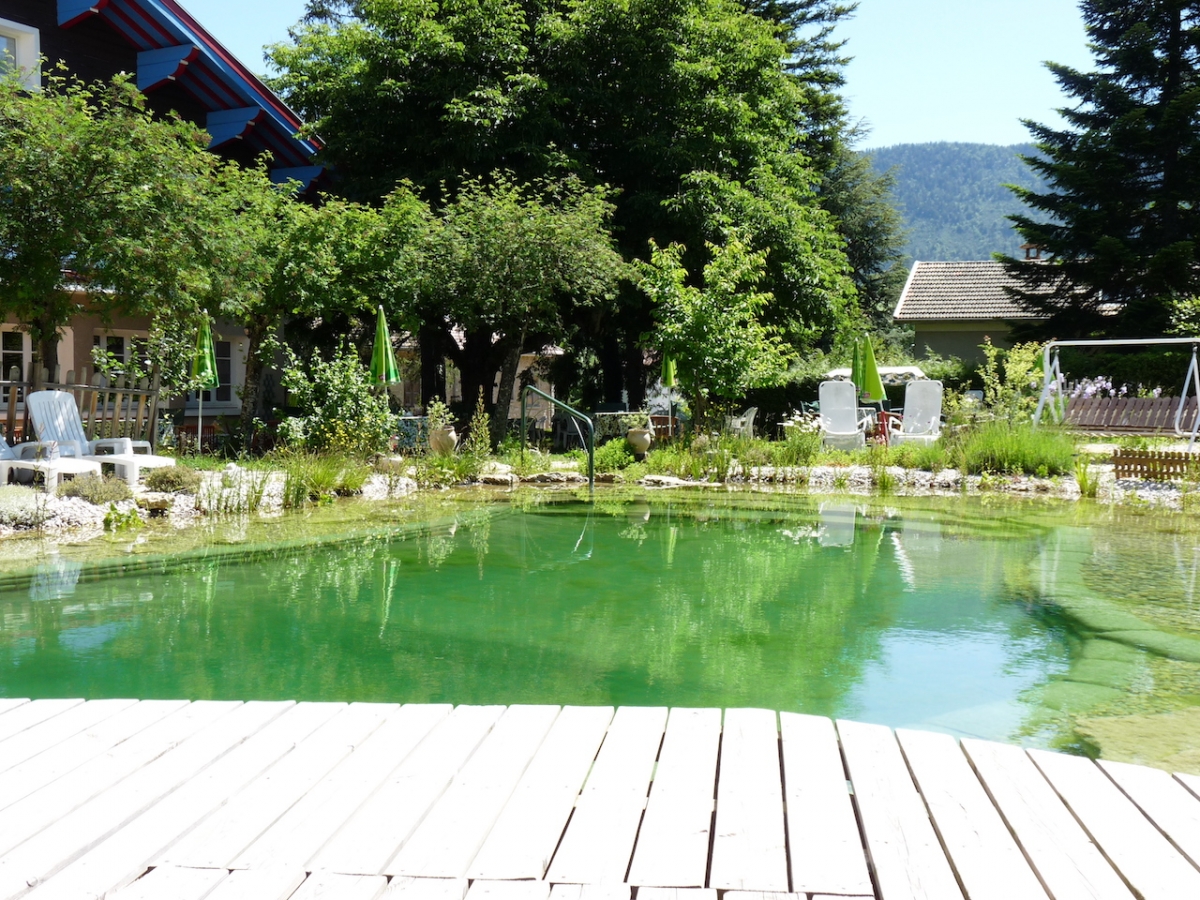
(368, 841)
(683, 894)
(270, 732)
(528, 830)
(30, 715)
(113, 810)
(404, 888)
(71, 753)
(989, 863)
(297, 835)
(230, 830)
(29, 743)
(1068, 863)
(672, 845)
(446, 842)
(331, 886)
(1139, 851)
(1168, 804)
(172, 883)
(23, 819)
(267, 883)
(824, 843)
(749, 850)
(907, 857)
(590, 892)
(508, 890)
(10, 703)
(598, 843)
(1191, 782)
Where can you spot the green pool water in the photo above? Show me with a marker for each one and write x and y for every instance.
(974, 616)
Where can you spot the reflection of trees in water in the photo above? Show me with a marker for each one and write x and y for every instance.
(705, 603)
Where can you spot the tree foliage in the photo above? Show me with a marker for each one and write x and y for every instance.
(1120, 220)
(652, 98)
(510, 267)
(715, 332)
(100, 200)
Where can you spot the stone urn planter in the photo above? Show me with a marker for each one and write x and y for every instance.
(442, 441)
(639, 439)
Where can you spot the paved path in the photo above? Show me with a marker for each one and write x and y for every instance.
(268, 801)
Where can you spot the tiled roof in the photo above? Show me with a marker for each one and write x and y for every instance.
(958, 290)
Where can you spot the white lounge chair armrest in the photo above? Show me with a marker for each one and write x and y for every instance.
(32, 450)
(71, 448)
(120, 446)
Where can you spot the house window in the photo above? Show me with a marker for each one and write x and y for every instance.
(20, 46)
(15, 359)
(12, 355)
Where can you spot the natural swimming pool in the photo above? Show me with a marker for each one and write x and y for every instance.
(979, 616)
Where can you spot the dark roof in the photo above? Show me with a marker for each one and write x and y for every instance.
(174, 48)
(958, 290)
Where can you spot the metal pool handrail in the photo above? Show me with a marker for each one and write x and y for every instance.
(575, 414)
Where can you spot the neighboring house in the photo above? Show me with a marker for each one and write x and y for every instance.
(180, 67)
(954, 305)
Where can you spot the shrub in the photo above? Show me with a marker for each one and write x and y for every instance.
(613, 456)
(1003, 448)
(96, 490)
(342, 411)
(174, 479)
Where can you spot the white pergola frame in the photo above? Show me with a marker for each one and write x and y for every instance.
(1053, 377)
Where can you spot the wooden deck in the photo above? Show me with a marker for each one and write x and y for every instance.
(267, 801)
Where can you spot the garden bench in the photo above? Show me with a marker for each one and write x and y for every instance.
(1128, 415)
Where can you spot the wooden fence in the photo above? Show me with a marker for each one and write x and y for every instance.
(1129, 415)
(1156, 465)
(119, 407)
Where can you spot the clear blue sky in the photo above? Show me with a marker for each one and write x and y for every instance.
(923, 70)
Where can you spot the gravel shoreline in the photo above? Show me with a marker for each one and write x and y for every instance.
(31, 510)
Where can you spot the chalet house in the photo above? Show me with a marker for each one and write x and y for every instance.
(181, 67)
(954, 305)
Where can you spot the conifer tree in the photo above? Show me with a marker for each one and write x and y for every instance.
(1120, 223)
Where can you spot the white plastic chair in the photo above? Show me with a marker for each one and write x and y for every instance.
(743, 425)
(840, 424)
(56, 418)
(922, 421)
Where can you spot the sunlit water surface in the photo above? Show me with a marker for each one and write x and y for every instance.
(917, 613)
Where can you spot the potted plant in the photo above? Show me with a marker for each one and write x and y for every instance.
(439, 424)
(639, 433)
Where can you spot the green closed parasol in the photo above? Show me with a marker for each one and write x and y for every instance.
(204, 372)
(383, 358)
(870, 389)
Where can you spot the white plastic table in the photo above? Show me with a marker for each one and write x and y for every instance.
(52, 470)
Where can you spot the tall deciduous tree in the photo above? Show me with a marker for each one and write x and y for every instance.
(334, 261)
(99, 200)
(1121, 220)
(510, 266)
(639, 95)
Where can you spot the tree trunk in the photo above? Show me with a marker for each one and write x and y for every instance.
(477, 364)
(252, 390)
(508, 379)
(433, 364)
(46, 357)
(612, 369)
(635, 377)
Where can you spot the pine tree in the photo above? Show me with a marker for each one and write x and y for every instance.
(1121, 220)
